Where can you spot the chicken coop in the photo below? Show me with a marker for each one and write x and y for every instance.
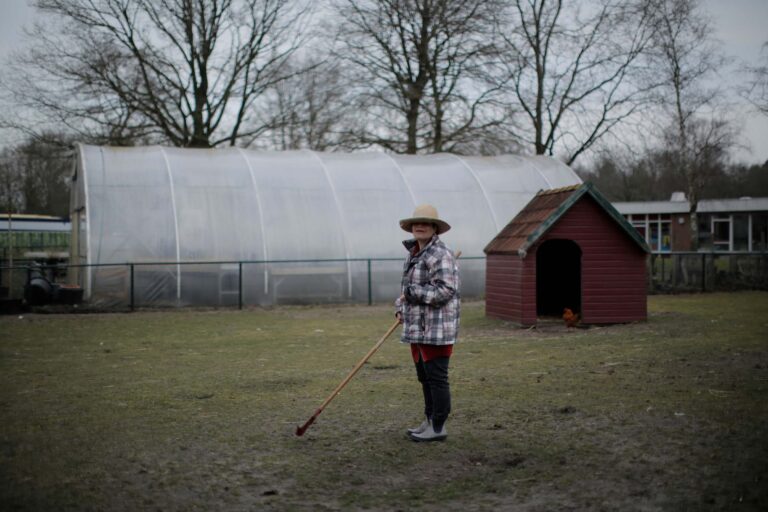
(157, 226)
(567, 248)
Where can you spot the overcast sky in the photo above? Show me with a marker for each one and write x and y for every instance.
(742, 26)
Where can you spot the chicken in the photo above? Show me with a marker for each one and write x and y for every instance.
(571, 318)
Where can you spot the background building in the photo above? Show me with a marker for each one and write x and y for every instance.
(25, 238)
(726, 225)
(33, 236)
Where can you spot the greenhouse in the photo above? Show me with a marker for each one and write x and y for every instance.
(217, 227)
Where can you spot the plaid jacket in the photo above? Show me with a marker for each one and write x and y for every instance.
(431, 288)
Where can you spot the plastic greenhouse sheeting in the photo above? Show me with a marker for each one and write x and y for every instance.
(218, 226)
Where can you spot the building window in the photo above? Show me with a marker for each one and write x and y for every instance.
(705, 232)
(653, 236)
(639, 222)
(655, 229)
(741, 232)
(717, 232)
(721, 233)
(759, 231)
(665, 233)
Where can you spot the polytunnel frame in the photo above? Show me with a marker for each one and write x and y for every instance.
(337, 207)
(175, 220)
(532, 165)
(86, 205)
(261, 215)
(482, 189)
(549, 183)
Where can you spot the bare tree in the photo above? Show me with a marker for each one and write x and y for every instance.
(187, 72)
(621, 175)
(575, 69)
(312, 109)
(686, 57)
(415, 63)
(35, 176)
(708, 142)
(756, 90)
(10, 202)
(11, 195)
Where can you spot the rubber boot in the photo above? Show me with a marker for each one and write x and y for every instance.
(421, 428)
(430, 435)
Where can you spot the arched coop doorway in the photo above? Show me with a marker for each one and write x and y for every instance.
(558, 277)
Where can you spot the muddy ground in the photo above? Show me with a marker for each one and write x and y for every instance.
(196, 410)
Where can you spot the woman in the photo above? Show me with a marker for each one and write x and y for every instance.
(428, 307)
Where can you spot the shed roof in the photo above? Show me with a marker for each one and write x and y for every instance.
(541, 213)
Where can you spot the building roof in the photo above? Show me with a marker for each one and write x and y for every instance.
(744, 204)
(32, 217)
(32, 222)
(646, 207)
(543, 211)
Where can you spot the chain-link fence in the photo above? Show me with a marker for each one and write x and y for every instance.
(123, 286)
(681, 272)
(128, 286)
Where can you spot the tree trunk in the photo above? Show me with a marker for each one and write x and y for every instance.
(437, 143)
(413, 124)
(200, 133)
(685, 163)
(541, 148)
(694, 219)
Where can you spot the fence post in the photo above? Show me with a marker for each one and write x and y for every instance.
(239, 285)
(370, 288)
(704, 272)
(132, 282)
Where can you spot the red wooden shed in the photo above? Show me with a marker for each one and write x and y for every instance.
(567, 248)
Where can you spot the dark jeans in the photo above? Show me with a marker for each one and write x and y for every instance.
(433, 376)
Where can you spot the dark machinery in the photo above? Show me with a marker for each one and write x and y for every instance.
(42, 289)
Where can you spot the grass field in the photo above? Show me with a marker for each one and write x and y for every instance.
(196, 410)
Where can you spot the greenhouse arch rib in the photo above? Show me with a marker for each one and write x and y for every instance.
(261, 217)
(86, 201)
(101, 217)
(402, 177)
(175, 221)
(341, 218)
(536, 168)
(482, 189)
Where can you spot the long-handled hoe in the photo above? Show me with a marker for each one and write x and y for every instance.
(300, 430)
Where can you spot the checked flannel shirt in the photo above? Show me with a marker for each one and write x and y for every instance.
(430, 284)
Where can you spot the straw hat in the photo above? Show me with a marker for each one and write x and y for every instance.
(425, 213)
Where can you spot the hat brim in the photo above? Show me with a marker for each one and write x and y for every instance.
(442, 226)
